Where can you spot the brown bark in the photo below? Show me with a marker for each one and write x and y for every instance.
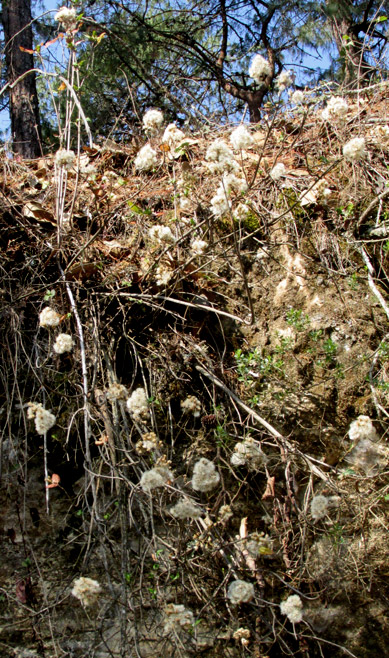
(355, 68)
(254, 102)
(345, 30)
(254, 99)
(24, 108)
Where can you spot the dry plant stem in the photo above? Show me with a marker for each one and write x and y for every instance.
(262, 152)
(180, 301)
(61, 176)
(227, 559)
(370, 274)
(250, 561)
(380, 85)
(65, 137)
(378, 406)
(87, 429)
(333, 644)
(45, 467)
(177, 243)
(131, 95)
(103, 409)
(66, 83)
(371, 205)
(78, 105)
(284, 442)
(239, 256)
(75, 72)
(69, 106)
(296, 203)
(47, 491)
(84, 246)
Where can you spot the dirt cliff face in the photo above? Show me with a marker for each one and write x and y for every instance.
(215, 482)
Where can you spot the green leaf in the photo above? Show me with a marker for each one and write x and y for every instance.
(49, 295)
(137, 209)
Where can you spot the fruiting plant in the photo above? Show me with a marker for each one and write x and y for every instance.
(210, 421)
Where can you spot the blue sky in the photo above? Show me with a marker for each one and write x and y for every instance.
(42, 6)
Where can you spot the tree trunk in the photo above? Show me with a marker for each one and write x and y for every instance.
(344, 28)
(354, 66)
(24, 108)
(254, 99)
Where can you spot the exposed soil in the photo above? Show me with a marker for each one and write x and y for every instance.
(278, 330)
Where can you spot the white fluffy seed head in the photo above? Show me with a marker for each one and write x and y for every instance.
(173, 136)
(185, 509)
(248, 453)
(219, 151)
(259, 69)
(380, 135)
(155, 477)
(319, 507)
(44, 420)
(292, 607)
(49, 318)
(240, 138)
(205, 476)
(241, 212)
(65, 159)
(219, 203)
(225, 513)
(146, 159)
(137, 404)
(117, 392)
(160, 234)
(367, 455)
(259, 544)
(239, 591)
(191, 405)
(86, 590)
(220, 157)
(63, 343)
(198, 247)
(242, 634)
(185, 204)
(67, 17)
(355, 149)
(336, 109)
(233, 183)
(278, 171)
(362, 428)
(152, 121)
(177, 617)
(148, 443)
(298, 97)
(284, 80)
(164, 274)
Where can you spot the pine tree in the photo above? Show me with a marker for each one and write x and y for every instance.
(23, 99)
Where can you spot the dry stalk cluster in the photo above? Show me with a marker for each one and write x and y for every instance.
(205, 360)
